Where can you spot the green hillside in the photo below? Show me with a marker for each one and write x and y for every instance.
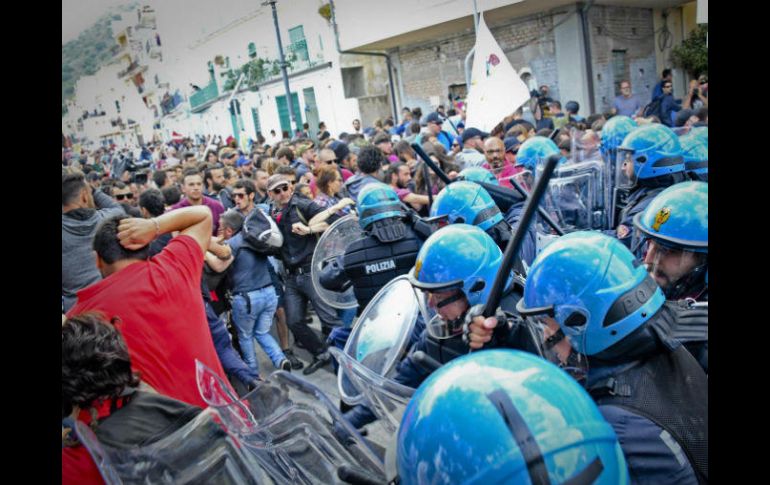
(86, 54)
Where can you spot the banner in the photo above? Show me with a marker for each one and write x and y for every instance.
(496, 90)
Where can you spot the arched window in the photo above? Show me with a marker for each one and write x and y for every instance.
(529, 79)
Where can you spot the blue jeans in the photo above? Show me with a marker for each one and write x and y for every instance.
(253, 319)
(231, 361)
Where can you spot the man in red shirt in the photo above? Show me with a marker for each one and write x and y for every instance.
(158, 299)
(501, 159)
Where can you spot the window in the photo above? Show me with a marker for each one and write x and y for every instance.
(353, 82)
(619, 68)
(298, 43)
(252, 50)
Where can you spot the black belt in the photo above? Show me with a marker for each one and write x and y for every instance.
(304, 269)
(245, 295)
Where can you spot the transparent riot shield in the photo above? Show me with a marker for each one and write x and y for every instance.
(543, 240)
(380, 337)
(576, 195)
(584, 145)
(385, 397)
(333, 243)
(200, 452)
(294, 431)
(624, 181)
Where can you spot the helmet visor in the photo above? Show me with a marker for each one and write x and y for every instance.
(557, 348)
(443, 310)
(625, 175)
(670, 267)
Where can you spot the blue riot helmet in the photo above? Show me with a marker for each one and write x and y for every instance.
(531, 156)
(534, 151)
(467, 202)
(505, 416)
(654, 150)
(701, 132)
(695, 151)
(377, 201)
(478, 174)
(613, 133)
(675, 229)
(594, 289)
(456, 257)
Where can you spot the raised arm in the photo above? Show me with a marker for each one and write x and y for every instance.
(194, 221)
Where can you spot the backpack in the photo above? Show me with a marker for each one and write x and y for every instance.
(654, 108)
(261, 233)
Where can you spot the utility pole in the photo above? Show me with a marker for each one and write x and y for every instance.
(283, 66)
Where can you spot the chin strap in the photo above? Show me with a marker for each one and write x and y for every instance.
(687, 284)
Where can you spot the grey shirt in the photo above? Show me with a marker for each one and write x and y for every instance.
(78, 266)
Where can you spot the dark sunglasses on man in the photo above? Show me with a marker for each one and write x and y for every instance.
(124, 196)
(329, 162)
(238, 196)
(279, 190)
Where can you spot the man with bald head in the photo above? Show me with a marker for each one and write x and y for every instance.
(494, 151)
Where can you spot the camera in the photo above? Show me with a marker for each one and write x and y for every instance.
(139, 178)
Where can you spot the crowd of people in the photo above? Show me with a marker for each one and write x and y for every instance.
(195, 248)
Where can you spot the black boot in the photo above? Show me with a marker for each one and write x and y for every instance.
(296, 364)
(319, 361)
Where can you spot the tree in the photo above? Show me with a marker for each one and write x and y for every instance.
(692, 54)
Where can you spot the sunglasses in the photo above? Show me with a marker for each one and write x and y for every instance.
(279, 190)
(124, 196)
(238, 196)
(333, 160)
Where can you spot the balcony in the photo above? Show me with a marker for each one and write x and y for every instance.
(132, 69)
(203, 96)
(260, 71)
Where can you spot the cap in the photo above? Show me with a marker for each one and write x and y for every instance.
(512, 144)
(473, 132)
(276, 180)
(341, 150)
(434, 117)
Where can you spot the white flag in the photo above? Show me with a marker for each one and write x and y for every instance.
(496, 90)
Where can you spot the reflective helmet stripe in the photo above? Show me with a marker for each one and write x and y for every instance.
(533, 457)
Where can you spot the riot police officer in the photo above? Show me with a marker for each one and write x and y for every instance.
(589, 287)
(503, 416)
(388, 248)
(695, 151)
(456, 268)
(674, 236)
(650, 160)
(613, 133)
(470, 203)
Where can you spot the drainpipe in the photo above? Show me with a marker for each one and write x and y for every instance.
(583, 13)
(361, 53)
(469, 57)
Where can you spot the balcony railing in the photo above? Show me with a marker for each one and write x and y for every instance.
(132, 67)
(204, 95)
